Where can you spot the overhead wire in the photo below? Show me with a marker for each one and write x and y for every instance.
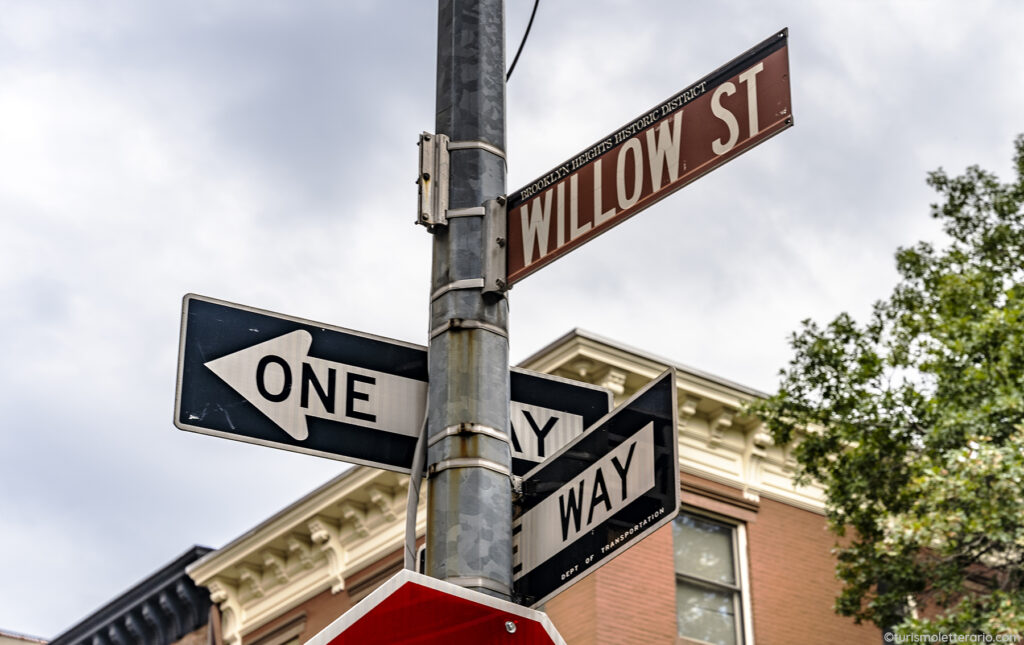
(526, 34)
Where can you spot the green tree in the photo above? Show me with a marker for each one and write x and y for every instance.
(914, 423)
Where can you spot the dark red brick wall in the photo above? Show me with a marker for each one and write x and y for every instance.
(629, 600)
(793, 583)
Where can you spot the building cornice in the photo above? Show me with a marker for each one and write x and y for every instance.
(717, 440)
(162, 608)
(315, 545)
(633, 356)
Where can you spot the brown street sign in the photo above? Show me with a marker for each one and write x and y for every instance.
(729, 111)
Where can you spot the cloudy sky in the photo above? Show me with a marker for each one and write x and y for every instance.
(263, 152)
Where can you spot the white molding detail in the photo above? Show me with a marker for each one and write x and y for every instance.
(325, 535)
(383, 500)
(614, 380)
(718, 422)
(251, 578)
(583, 368)
(688, 407)
(298, 549)
(312, 546)
(225, 594)
(755, 453)
(274, 562)
(355, 517)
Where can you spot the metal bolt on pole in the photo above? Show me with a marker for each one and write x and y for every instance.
(469, 499)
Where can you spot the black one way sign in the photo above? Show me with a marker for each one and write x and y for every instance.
(599, 495)
(285, 382)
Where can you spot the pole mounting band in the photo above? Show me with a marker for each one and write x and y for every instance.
(462, 323)
(468, 462)
(468, 283)
(469, 211)
(477, 145)
(469, 428)
(481, 582)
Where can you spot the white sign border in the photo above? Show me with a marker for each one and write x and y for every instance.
(670, 514)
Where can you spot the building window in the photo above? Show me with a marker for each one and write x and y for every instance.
(709, 580)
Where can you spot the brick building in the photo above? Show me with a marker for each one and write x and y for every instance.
(747, 560)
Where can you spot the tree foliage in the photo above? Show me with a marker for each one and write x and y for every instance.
(914, 423)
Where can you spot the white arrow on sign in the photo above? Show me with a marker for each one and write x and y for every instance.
(284, 382)
(247, 374)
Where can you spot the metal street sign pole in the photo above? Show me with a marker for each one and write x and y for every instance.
(469, 500)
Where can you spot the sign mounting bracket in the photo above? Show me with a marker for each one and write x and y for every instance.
(433, 180)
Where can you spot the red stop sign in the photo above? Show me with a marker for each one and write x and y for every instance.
(414, 608)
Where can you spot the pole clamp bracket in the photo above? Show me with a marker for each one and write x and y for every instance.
(468, 283)
(469, 211)
(433, 180)
(495, 256)
(482, 583)
(462, 323)
(470, 428)
(495, 242)
(468, 462)
(477, 145)
(435, 175)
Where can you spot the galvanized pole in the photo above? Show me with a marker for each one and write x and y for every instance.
(469, 502)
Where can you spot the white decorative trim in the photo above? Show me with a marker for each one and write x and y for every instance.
(755, 454)
(325, 535)
(718, 423)
(276, 565)
(225, 594)
(355, 518)
(614, 380)
(384, 502)
(311, 547)
(688, 407)
(582, 367)
(298, 549)
(252, 581)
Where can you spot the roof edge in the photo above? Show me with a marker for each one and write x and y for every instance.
(136, 593)
(577, 332)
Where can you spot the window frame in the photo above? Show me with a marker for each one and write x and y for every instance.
(740, 590)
